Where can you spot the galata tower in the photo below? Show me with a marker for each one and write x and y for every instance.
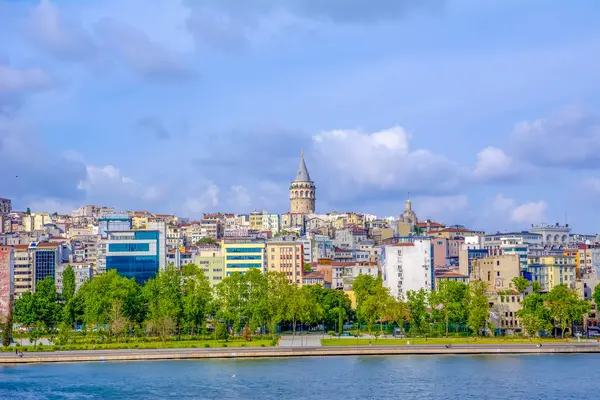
(302, 191)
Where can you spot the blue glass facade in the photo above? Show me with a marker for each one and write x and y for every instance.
(244, 250)
(45, 264)
(142, 265)
(244, 257)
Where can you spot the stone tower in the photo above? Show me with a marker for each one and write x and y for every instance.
(302, 191)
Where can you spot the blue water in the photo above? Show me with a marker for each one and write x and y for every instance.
(546, 377)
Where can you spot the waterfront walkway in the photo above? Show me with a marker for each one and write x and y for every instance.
(295, 351)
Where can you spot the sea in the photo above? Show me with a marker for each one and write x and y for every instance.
(547, 377)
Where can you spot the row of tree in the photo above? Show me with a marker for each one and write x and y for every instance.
(182, 301)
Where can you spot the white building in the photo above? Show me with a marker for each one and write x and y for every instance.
(83, 273)
(553, 235)
(344, 273)
(408, 266)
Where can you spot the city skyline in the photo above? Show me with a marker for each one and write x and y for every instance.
(210, 112)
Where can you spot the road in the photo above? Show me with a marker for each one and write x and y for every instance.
(292, 351)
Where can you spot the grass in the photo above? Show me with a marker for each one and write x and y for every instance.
(417, 341)
(185, 344)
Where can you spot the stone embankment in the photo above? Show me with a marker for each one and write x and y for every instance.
(191, 354)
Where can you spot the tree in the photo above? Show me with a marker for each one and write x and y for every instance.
(296, 305)
(396, 311)
(36, 332)
(196, 298)
(95, 298)
(46, 302)
(25, 312)
(596, 295)
(64, 333)
(8, 325)
(307, 267)
(117, 322)
(534, 315)
(208, 240)
(68, 280)
(417, 305)
(565, 307)
(232, 295)
(449, 299)
(164, 302)
(521, 284)
(28, 211)
(256, 308)
(478, 306)
(279, 291)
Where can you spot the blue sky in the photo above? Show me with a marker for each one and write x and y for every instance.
(485, 111)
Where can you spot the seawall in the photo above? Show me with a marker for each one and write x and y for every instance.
(190, 354)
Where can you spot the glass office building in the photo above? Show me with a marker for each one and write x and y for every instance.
(136, 254)
(45, 259)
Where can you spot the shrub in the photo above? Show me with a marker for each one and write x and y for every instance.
(206, 345)
(225, 345)
(221, 332)
(331, 333)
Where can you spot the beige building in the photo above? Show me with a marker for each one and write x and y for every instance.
(23, 271)
(497, 271)
(302, 191)
(286, 256)
(210, 259)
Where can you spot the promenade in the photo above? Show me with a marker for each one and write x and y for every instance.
(296, 351)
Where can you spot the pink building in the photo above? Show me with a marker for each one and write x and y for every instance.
(6, 280)
(445, 251)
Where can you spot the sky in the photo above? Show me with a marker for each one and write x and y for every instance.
(485, 113)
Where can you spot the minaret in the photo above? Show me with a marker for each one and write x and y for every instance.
(302, 191)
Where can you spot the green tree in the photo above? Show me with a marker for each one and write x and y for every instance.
(208, 240)
(46, 302)
(450, 300)
(95, 299)
(520, 283)
(397, 311)
(232, 295)
(565, 307)
(37, 332)
(196, 299)
(25, 311)
(279, 291)
(221, 332)
(596, 295)
(68, 280)
(296, 305)
(256, 311)
(164, 302)
(478, 306)
(64, 333)
(534, 315)
(417, 306)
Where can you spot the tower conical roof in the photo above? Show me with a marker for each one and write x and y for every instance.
(302, 175)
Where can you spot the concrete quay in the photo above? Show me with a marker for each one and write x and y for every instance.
(274, 352)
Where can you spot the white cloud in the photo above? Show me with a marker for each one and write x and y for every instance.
(568, 138)
(240, 197)
(354, 161)
(204, 201)
(493, 164)
(448, 209)
(532, 212)
(107, 183)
